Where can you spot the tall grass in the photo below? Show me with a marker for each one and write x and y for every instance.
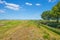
(52, 29)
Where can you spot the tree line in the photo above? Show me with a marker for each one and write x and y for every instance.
(53, 14)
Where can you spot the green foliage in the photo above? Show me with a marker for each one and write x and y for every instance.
(51, 23)
(54, 13)
(46, 15)
(58, 26)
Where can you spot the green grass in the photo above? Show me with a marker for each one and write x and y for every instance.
(46, 35)
(32, 28)
(52, 29)
(6, 26)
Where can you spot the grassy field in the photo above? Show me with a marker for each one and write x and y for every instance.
(27, 30)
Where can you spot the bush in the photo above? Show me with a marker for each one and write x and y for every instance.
(58, 26)
(52, 29)
(51, 24)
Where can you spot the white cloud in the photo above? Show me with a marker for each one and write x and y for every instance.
(30, 4)
(2, 11)
(51, 0)
(37, 4)
(1, 2)
(12, 6)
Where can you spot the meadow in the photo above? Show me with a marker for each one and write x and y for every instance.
(27, 30)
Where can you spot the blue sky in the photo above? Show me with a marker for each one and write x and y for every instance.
(24, 9)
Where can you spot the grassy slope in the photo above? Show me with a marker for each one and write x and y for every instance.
(25, 30)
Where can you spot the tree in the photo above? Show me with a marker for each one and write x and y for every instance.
(52, 14)
(46, 15)
(56, 11)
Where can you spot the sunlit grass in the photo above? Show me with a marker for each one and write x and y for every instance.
(27, 30)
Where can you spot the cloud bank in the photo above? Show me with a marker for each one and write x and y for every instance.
(10, 5)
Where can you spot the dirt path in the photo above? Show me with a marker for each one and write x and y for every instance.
(23, 33)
